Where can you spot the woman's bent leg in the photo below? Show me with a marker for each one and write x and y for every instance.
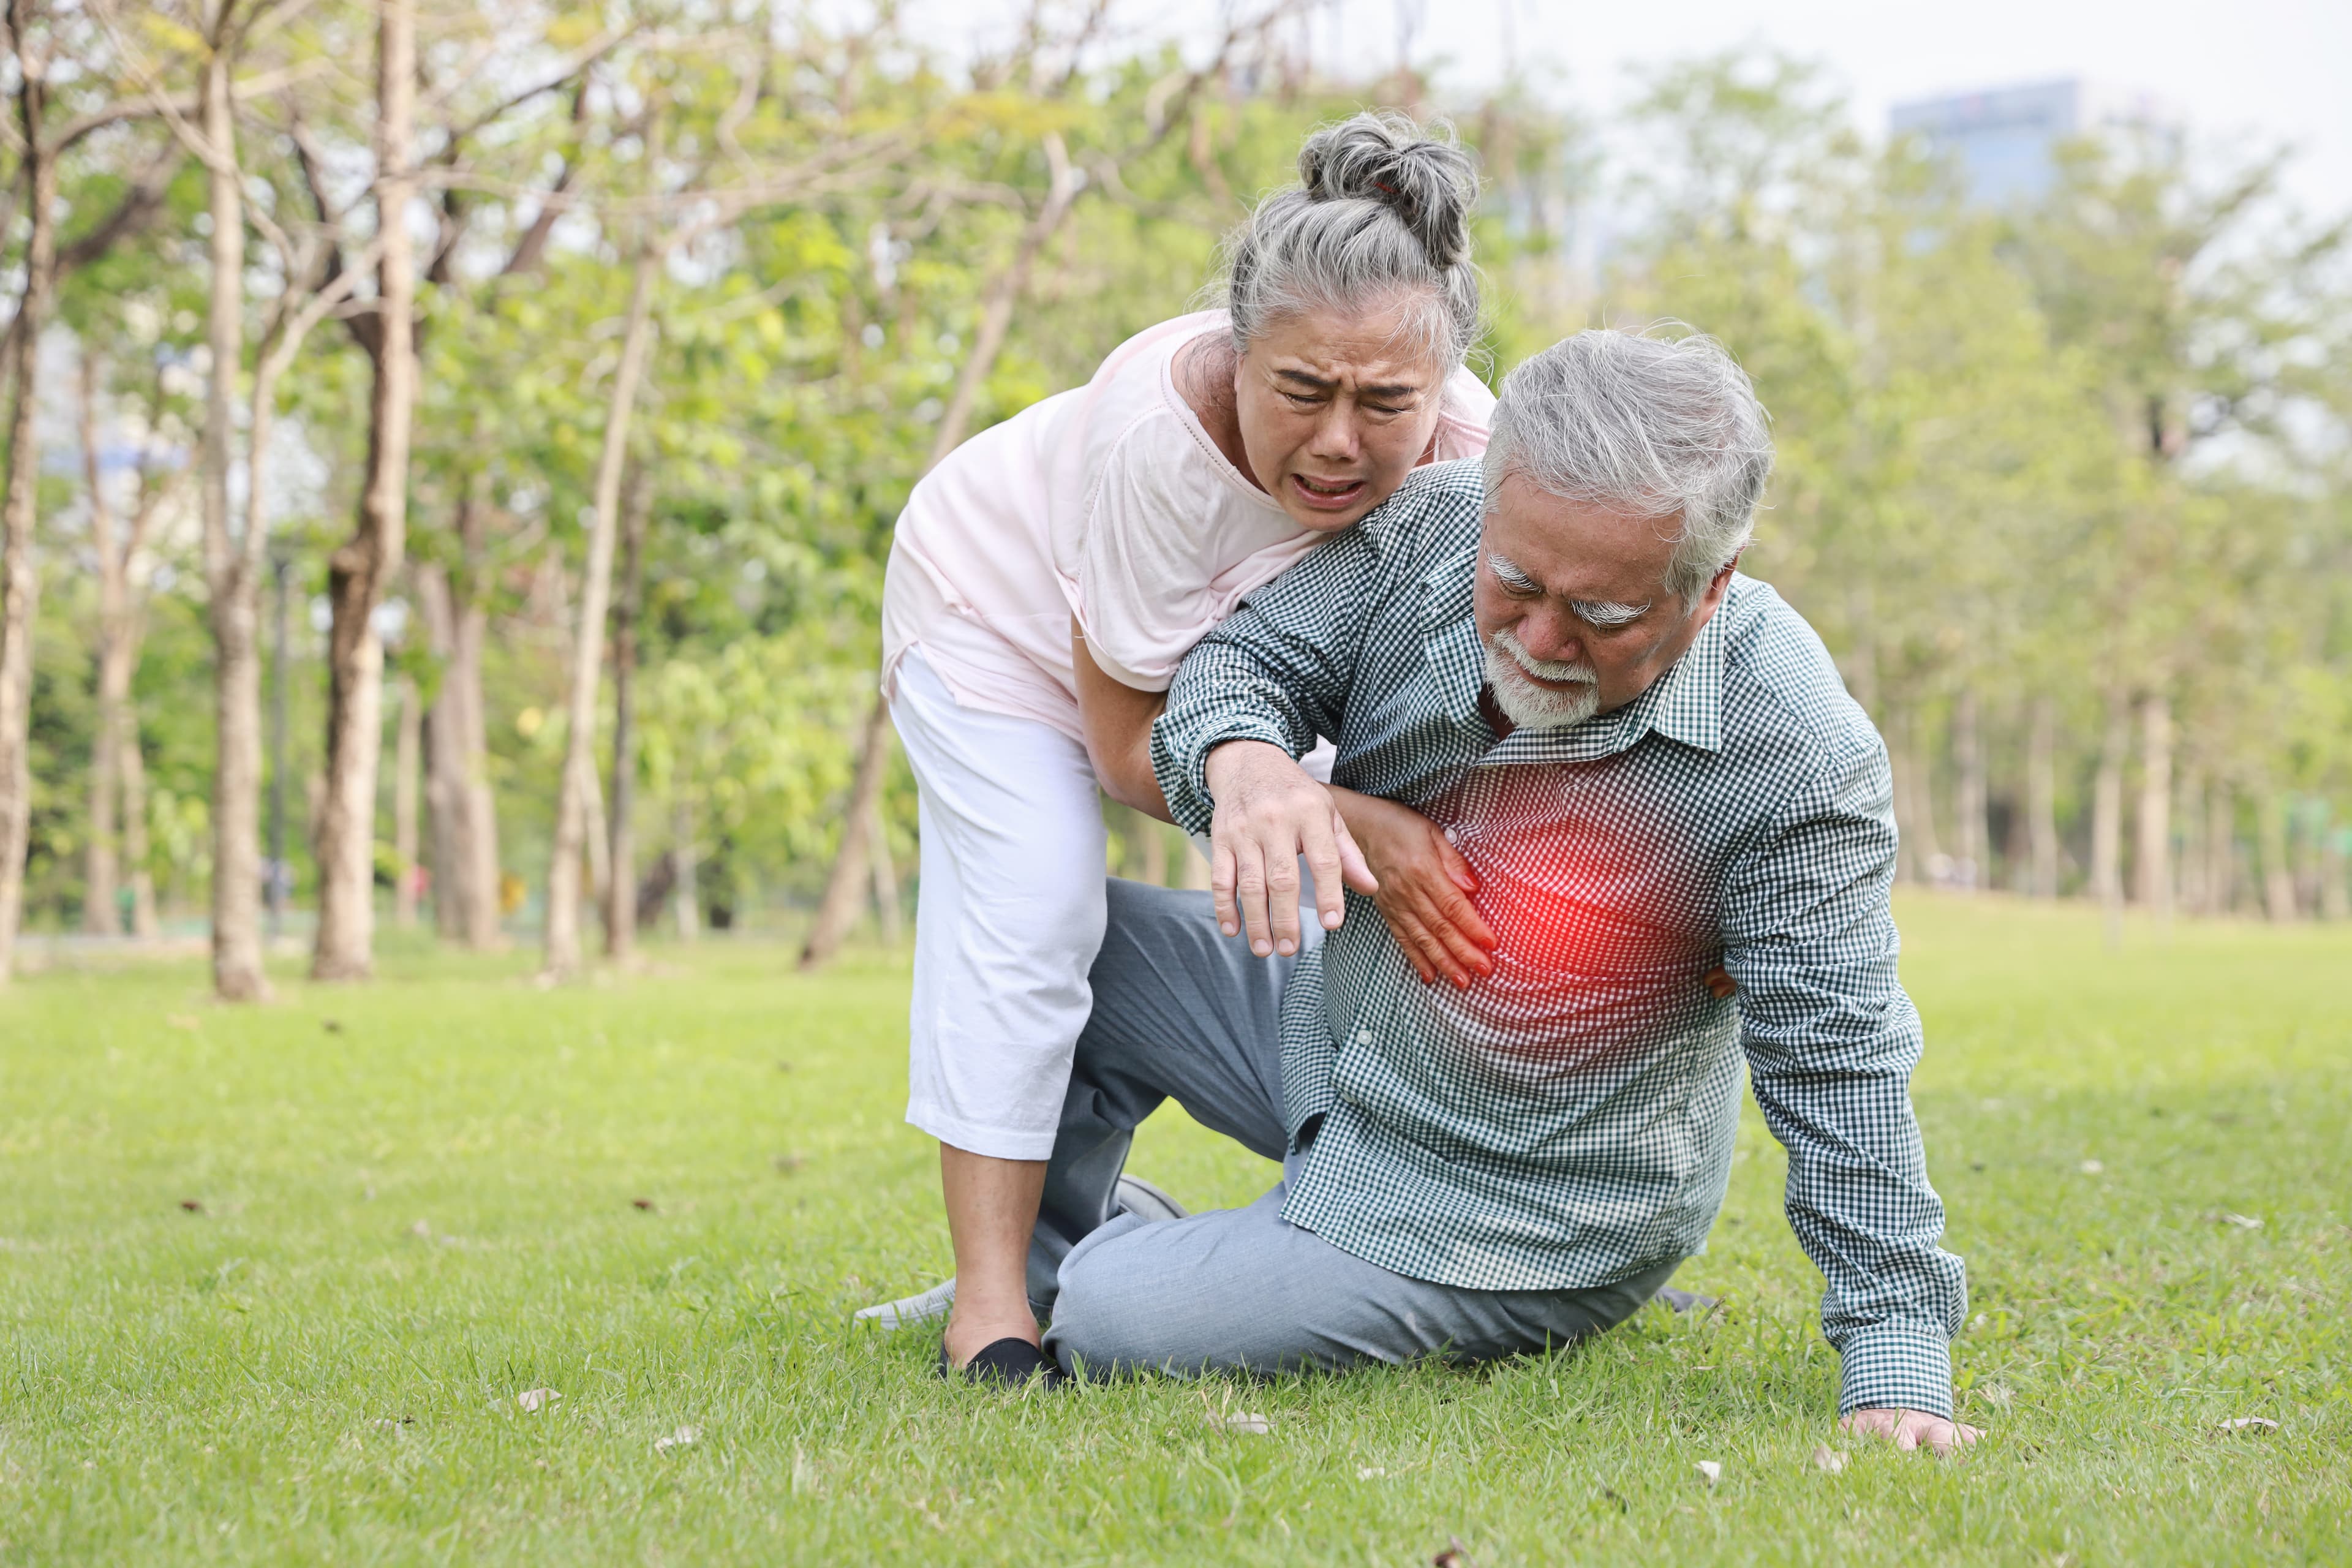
(1009, 916)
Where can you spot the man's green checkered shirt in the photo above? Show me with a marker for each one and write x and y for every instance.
(1569, 1120)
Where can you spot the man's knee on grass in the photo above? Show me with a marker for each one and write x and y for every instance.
(1113, 1320)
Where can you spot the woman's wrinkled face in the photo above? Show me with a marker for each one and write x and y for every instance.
(1335, 409)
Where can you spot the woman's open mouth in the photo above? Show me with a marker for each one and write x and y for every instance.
(1328, 495)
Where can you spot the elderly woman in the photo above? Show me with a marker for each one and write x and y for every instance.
(1048, 577)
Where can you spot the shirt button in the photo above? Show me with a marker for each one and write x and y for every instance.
(1363, 1036)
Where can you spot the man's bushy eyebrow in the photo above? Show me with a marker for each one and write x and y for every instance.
(1604, 614)
(1510, 577)
(1607, 613)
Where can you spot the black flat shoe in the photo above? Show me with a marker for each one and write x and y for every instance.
(1008, 1363)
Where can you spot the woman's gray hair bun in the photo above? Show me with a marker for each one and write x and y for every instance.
(1383, 208)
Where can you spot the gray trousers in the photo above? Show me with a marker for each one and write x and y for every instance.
(1180, 1011)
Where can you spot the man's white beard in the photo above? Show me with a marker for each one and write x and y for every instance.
(1531, 707)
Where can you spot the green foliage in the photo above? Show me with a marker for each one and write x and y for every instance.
(2080, 455)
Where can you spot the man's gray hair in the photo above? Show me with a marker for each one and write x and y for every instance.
(1382, 209)
(1650, 424)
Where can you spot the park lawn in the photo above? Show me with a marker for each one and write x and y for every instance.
(416, 1199)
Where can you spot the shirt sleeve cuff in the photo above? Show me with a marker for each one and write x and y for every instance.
(1184, 775)
(1898, 1368)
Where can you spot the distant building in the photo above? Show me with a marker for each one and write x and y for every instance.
(2003, 138)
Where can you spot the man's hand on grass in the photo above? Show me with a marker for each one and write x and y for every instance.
(1912, 1429)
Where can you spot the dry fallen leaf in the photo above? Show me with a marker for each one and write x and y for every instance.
(2244, 1221)
(1242, 1421)
(2092, 1167)
(534, 1400)
(684, 1437)
(192, 1205)
(421, 1230)
(332, 1026)
(1712, 1471)
(1828, 1459)
(2249, 1424)
(646, 1204)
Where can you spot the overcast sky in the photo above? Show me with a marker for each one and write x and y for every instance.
(2264, 70)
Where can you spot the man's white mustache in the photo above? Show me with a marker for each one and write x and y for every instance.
(1545, 668)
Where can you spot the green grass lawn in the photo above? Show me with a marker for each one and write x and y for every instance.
(272, 1279)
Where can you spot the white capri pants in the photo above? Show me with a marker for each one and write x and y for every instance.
(1008, 921)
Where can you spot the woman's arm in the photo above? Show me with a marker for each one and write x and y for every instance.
(1117, 719)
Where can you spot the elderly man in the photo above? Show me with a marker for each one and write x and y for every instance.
(1649, 764)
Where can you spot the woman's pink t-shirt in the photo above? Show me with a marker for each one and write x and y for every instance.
(1109, 503)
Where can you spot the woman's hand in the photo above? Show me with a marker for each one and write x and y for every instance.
(1426, 889)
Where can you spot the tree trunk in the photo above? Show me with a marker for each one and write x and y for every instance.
(359, 571)
(1860, 666)
(2306, 851)
(2106, 819)
(20, 584)
(620, 885)
(485, 895)
(588, 641)
(235, 611)
(838, 905)
(2189, 812)
(101, 867)
(456, 622)
(406, 756)
(686, 897)
(279, 887)
(444, 758)
(2220, 848)
(444, 824)
(2335, 898)
(2153, 861)
(1973, 847)
(2278, 876)
(887, 908)
(131, 767)
(2042, 798)
(845, 888)
(1914, 803)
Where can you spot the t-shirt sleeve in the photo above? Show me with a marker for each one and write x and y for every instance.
(1467, 412)
(1144, 597)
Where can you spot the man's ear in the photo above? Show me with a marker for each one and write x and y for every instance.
(1720, 583)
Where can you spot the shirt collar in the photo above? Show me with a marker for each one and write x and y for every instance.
(1684, 704)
